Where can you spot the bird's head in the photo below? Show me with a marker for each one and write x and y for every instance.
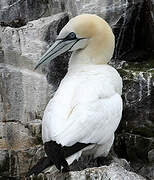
(87, 34)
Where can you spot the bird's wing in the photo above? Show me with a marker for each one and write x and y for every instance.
(88, 113)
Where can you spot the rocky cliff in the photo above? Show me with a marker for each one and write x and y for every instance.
(27, 28)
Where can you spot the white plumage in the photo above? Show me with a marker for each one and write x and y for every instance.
(87, 106)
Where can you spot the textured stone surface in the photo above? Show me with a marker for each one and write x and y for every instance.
(138, 95)
(24, 94)
(151, 156)
(16, 135)
(19, 147)
(23, 46)
(22, 89)
(135, 135)
(14, 163)
(130, 30)
(4, 161)
(111, 172)
(109, 10)
(16, 13)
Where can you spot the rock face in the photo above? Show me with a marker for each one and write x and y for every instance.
(23, 46)
(111, 172)
(27, 29)
(132, 27)
(135, 135)
(23, 92)
(16, 13)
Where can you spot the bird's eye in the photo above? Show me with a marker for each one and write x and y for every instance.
(71, 36)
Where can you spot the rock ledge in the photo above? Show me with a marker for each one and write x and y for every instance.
(112, 172)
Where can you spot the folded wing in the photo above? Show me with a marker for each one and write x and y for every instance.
(82, 111)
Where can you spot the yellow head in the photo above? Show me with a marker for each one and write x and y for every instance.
(89, 36)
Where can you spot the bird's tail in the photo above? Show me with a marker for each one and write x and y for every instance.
(56, 155)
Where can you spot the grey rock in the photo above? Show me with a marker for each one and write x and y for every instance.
(35, 130)
(24, 94)
(109, 10)
(23, 46)
(4, 161)
(134, 148)
(14, 163)
(17, 13)
(135, 136)
(151, 156)
(21, 107)
(147, 171)
(111, 172)
(21, 89)
(11, 93)
(138, 95)
(16, 135)
(138, 15)
(121, 162)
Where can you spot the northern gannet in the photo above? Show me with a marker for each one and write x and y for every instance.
(87, 107)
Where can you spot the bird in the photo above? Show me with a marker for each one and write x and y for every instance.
(86, 109)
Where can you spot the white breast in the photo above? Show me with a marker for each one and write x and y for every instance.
(86, 108)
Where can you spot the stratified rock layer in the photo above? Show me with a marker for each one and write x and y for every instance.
(16, 13)
(135, 135)
(24, 93)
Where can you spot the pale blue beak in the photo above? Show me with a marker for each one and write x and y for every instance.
(58, 48)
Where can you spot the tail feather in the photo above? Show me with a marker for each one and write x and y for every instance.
(42, 164)
(56, 155)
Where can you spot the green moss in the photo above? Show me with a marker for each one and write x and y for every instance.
(133, 71)
(140, 66)
(125, 74)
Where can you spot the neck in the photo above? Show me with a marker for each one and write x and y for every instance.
(80, 62)
(98, 51)
(78, 58)
(83, 58)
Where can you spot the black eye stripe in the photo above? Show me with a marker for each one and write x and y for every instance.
(70, 36)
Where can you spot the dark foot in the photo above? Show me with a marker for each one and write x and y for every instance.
(55, 153)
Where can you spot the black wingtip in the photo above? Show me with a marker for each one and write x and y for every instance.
(56, 155)
(42, 164)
